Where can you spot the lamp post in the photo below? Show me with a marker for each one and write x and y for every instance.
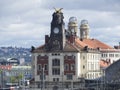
(23, 79)
(1, 71)
(42, 79)
(62, 70)
(103, 79)
(62, 81)
(10, 77)
(2, 77)
(71, 84)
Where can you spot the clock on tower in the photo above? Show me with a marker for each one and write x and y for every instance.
(57, 35)
(56, 30)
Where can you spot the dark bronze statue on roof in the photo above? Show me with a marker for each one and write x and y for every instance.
(58, 16)
(58, 10)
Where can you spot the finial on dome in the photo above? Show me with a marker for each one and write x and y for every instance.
(84, 22)
(72, 19)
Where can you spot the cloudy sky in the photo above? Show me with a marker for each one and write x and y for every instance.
(24, 23)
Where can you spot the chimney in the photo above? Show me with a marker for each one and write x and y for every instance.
(81, 39)
(72, 39)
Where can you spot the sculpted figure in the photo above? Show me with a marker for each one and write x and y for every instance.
(58, 10)
(57, 16)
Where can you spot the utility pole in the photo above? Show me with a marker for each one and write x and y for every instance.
(71, 84)
(104, 84)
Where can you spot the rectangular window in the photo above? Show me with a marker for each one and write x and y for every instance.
(56, 62)
(83, 66)
(102, 55)
(72, 66)
(56, 71)
(42, 76)
(39, 66)
(92, 66)
(45, 67)
(66, 67)
(69, 76)
(56, 79)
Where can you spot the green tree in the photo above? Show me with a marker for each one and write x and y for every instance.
(16, 79)
(0, 71)
(12, 79)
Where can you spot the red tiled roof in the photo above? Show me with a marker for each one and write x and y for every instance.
(104, 63)
(90, 43)
(81, 43)
(94, 43)
(5, 67)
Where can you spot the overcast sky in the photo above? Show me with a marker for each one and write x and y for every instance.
(24, 23)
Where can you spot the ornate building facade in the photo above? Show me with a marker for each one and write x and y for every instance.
(65, 57)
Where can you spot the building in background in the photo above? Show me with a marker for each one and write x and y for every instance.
(9, 61)
(65, 57)
(14, 75)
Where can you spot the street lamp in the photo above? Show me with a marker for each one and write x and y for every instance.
(62, 70)
(42, 76)
(103, 78)
(1, 71)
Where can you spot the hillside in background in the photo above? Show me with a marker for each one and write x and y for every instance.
(15, 52)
